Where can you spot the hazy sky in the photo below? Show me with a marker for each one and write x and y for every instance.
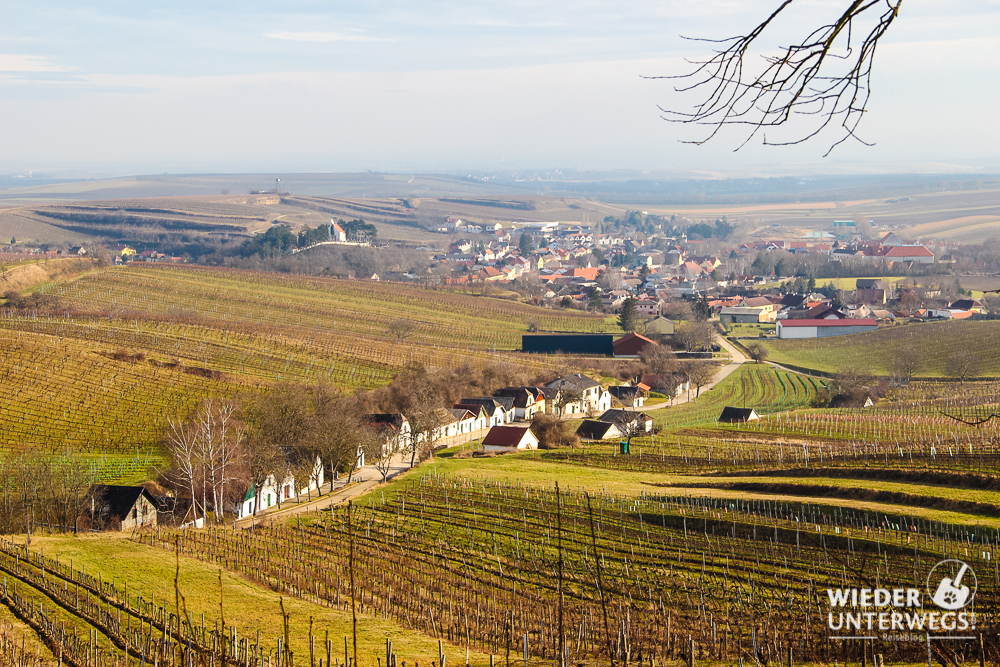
(184, 86)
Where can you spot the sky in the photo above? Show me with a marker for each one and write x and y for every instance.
(182, 86)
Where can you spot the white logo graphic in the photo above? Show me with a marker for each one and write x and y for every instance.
(952, 591)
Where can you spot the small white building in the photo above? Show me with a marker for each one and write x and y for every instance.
(509, 439)
(269, 494)
(823, 328)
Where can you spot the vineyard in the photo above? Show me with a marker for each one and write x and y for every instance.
(761, 387)
(87, 616)
(315, 308)
(134, 346)
(500, 568)
(874, 351)
(57, 394)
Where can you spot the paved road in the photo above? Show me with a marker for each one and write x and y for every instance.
(736, 359)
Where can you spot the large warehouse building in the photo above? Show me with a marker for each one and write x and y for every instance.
(823, 328)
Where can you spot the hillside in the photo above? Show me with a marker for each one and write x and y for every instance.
(935, 341)
(127, 347)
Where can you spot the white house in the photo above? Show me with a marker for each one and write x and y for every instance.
(496, 413)
(392, 427)
(509, 439)
(337, 232)
(527, 401)
(592, 396)
(270, 494)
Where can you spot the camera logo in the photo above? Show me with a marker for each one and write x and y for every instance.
(948, 584)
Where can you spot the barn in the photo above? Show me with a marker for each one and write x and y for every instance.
(121, 507)
(632, 345)
(823, 328)
(589, 344)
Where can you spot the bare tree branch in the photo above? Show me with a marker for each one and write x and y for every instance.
(827, 75)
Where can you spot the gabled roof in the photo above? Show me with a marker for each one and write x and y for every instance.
(576, 381)
(616, 416)
(443, 416)
(732, 414)
(505, 436)
(822, 312)
(475, 408)
(792, 300)
(393, 419)
(966, 304)
(490, 403)
(461, 414)
(624, 391)
(629, 337)
(116, 501)
(592, 429)
(522, 396)
(907, 251)
(757, 302)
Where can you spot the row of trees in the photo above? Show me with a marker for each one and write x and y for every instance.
(226, 447)
(41, 489)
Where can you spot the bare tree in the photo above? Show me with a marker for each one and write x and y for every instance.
(757, 351)
(552, 432)
(260, 459)
(425, 429)
(963, 364)
(68, 482)
(631, 428)
(182, 445)
(701, 373)
(565, 396)
(400, 329)
(906, 363)
(658, 359)
(824, 76)
(382, 449)
(694, 335)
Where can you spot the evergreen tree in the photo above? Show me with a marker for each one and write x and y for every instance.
(594, 301)
(702, 311)
(525, 245)
(628, 320)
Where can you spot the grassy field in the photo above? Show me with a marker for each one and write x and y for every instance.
(742, 330)
(935, 341)
(248, 606)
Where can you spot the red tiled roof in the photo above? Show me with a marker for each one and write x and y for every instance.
(908, 251)
(505, 436)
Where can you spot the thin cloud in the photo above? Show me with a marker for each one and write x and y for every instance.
(17, 62)
(325, 37)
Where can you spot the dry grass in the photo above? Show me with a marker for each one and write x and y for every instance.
(247, 606)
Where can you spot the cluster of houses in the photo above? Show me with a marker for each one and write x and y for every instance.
(815, 316)
(658, 270)
(125, 253)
